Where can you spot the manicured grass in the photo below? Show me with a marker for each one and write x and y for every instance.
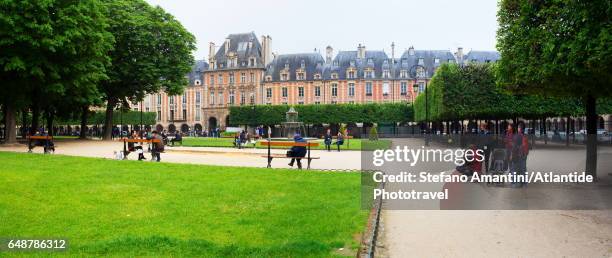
(352, 144)
(130, 208)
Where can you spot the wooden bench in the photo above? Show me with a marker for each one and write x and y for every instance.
(127, 140)
(48, 142)
(271, 156)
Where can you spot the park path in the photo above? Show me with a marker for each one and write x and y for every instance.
(500, 233)
(344, 160)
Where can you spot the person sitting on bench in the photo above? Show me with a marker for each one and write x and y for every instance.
(297, 152)
(177, 138)
(339, 140)
(158, 147)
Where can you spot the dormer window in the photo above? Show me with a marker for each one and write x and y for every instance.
(252, 61)
(370, 61)
(420, 72)
(437, 61)
(286, 65)
(421, 62)
(317, 76)
(404, 62)
(303, 64)
(334, 76)
(369, 74)
(352, 62)
(351, 74)
(284, 77)
(335, 62)
(300, 76)
(268, 78)
(404, 74)
(386, 62)
(386, 73)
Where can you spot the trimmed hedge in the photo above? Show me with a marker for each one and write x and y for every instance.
(325, 113)
(471, 92)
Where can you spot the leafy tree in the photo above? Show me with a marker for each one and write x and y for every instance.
(558, 48)
(152, 52)
(50, 48)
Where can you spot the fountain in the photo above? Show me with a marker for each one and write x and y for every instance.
(291, 127)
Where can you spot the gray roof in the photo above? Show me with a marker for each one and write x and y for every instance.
(410, 60)
(482, 56)
(376, 59)
(196, 72)
(239, 44)
(313, 64)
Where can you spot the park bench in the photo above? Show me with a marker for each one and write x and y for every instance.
(289, 144)
(47, 143)
(127, 140)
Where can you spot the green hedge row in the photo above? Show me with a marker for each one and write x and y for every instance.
(325, 113)
(471, 92)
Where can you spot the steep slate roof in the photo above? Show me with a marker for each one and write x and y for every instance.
(239, 44)
(408, 60)
(482, 56)
(376, 59)
(196, 72)
(313, 63)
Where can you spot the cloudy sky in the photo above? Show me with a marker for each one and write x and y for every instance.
(301, 26)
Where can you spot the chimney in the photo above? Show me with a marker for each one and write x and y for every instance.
(266, 49)
(392, 52)
(329, 52)
(227, 45)
(361, 51)
(211, 51)
(459, 55)
(411, 51)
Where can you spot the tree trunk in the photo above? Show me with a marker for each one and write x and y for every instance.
(10, 123)
(108, 120)
(24, 123)
(567, 130)
(591, 123)
(545, 132)
(35, 118)
(84, 112)
(49, 117)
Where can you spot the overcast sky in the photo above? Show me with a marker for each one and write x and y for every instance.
(301, 26)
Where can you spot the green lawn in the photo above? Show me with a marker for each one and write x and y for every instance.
(351, 144)
(130, 208)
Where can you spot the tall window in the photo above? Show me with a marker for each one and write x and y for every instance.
(211, 100)
(242, 98)
(242, 77)
(231, 78)
(184, 98)
(300, 91)
(317, 92)
(403, 88)
(386, 88)
(231, 97)
(334, 90)
(351, 89)
(252, 98)
(421, 87)
(171, 100)
(198, 114)
(221, 100)
(268, 92)
(184, 114)
(212, 80)
(158, 114)
(159, 99)
(284, 92)
(252, 77)
(197, 97)
(220, 79)
(368, 88)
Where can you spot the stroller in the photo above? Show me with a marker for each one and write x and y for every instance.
(499, 165)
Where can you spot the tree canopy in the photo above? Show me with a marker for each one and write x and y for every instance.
(152, 52)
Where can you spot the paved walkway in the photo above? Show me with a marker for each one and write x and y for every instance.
(202, 155)
(500, 233)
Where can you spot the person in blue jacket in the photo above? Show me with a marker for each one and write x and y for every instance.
(297, 152)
